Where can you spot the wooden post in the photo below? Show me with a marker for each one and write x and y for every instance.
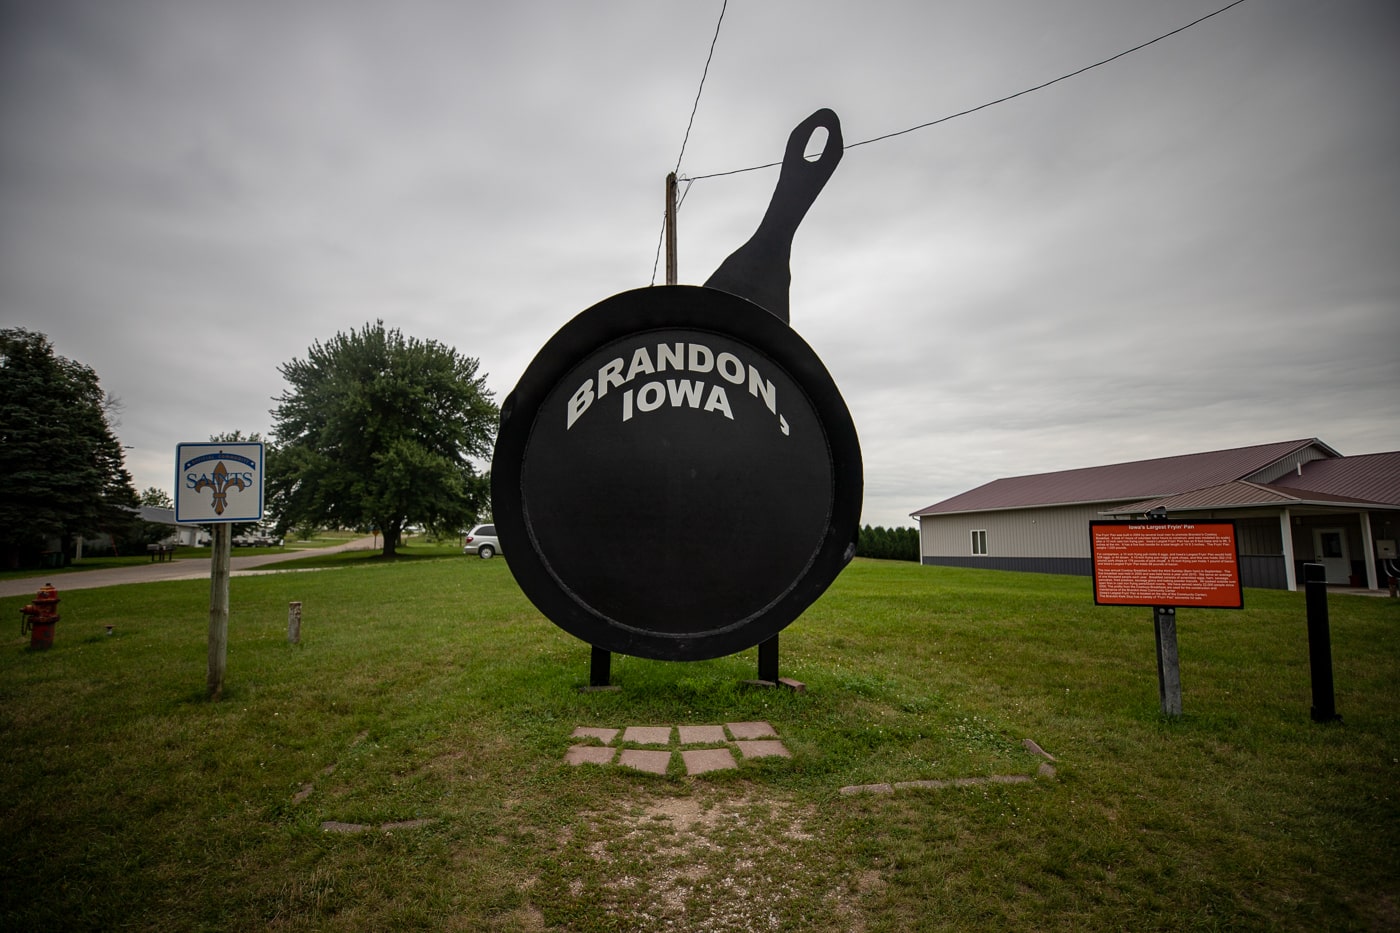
(218, 607)
(294, 622)
(671, 271)
(1168, 664)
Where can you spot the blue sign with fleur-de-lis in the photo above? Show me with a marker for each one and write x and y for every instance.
(219, 482)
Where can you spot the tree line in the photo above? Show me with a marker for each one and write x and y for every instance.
(888, 543)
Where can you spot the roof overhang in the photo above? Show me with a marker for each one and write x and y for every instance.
(925, 513)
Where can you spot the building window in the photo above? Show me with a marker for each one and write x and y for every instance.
(979, 543)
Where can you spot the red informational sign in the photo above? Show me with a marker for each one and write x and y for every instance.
(1166, 563)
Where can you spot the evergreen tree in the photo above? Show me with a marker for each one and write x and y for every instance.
(881, 543)
(63, 469)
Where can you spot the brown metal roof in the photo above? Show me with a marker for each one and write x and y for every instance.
(1240, 495)
(1372, 477)
(1123, 482)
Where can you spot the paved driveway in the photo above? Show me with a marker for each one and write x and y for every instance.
(190, 569)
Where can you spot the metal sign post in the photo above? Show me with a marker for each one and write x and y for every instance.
(218, 484)
(1168, 662)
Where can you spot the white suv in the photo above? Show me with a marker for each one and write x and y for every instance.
(481, 541)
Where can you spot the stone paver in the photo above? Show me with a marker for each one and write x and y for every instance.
(728, 744)
(763, 748)
(406, 824)
(652, 762)
(751, 730)
(648, 735)
(589, 755)
(934, 784)
(701, 735)
(700, 760)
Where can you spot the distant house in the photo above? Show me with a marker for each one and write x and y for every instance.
(101, 543)
(1293, 502)
(181, 534)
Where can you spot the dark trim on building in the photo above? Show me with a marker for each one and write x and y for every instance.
(1263, 572)
(1071, 566)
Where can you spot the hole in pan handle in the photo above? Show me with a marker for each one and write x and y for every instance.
(759, 270)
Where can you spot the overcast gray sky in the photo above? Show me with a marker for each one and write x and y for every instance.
(1194, 247)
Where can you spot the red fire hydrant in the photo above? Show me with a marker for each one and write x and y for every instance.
(40, 617)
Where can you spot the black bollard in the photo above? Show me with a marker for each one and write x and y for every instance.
(1324, 701)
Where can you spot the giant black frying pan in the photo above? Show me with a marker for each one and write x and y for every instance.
(676, 475)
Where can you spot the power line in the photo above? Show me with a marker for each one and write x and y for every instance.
(992, 103)
(696, 106)
(693, 108)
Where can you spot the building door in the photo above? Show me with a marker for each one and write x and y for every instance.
(1330, 548)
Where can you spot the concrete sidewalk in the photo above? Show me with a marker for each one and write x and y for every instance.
(189, 569)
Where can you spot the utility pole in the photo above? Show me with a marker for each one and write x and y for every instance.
(671, 274)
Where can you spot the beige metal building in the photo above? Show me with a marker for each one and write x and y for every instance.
(1293, 502)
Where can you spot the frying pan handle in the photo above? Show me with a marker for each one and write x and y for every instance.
(759, 269)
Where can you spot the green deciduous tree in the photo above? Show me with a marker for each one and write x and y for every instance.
(157, 497)
(379, 431)
(155, 532)
(62, 467)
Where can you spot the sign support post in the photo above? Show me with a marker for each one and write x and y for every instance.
(218, 607)
(1168, 662)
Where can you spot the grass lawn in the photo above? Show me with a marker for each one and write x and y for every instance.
(430, 701)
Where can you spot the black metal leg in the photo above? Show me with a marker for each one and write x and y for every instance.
(600, 670)
(768, 660)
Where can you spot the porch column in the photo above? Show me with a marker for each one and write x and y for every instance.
(1368, 545)
(1285, 524)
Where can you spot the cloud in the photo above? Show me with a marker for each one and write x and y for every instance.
(1186, 249)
